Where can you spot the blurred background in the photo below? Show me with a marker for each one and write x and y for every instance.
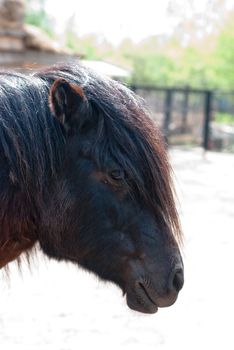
(179, 56)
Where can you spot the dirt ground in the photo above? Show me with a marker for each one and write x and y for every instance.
(56, 306)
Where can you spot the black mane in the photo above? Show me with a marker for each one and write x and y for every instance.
(32, 140)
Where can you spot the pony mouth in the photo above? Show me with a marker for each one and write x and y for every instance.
(140, 300)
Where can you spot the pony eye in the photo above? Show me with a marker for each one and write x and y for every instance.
(117, 174)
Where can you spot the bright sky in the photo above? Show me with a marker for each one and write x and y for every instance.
(123, 18)
(113, 19)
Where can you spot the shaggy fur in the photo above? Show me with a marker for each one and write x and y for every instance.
(32, 146)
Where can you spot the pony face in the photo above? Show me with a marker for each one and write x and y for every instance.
(96, 213)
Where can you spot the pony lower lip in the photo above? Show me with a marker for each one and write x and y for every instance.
(147, 299)
(144, 306)
(139, 300)
(146, 294)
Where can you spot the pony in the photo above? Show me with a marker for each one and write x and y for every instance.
(85, 173)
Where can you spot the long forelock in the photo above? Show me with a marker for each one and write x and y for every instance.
(127, 132)
(137, 145)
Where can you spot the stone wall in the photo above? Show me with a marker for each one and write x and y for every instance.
(23, 46)
(11, 25)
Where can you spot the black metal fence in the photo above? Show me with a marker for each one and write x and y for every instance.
(192, 116)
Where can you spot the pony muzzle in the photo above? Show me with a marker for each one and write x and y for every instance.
(143, 295)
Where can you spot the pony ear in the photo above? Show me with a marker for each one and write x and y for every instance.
(66, 101)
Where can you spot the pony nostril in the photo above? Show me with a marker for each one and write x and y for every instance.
(176, 281)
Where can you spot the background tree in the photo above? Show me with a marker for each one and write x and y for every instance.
(37, 16)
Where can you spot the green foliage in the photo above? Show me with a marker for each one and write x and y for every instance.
(192, 69)
(36, 16)
(169, 63)
(91, 46)
(153, 69)
(71, 41)
(204, 63)
(225, 55)
(224, 118)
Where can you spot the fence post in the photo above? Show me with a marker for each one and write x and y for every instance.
(167, 113)
(207, 119)
(185, 111)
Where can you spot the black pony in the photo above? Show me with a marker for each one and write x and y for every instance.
(84, 172)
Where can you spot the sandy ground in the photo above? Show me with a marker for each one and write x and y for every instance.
(59, 307)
